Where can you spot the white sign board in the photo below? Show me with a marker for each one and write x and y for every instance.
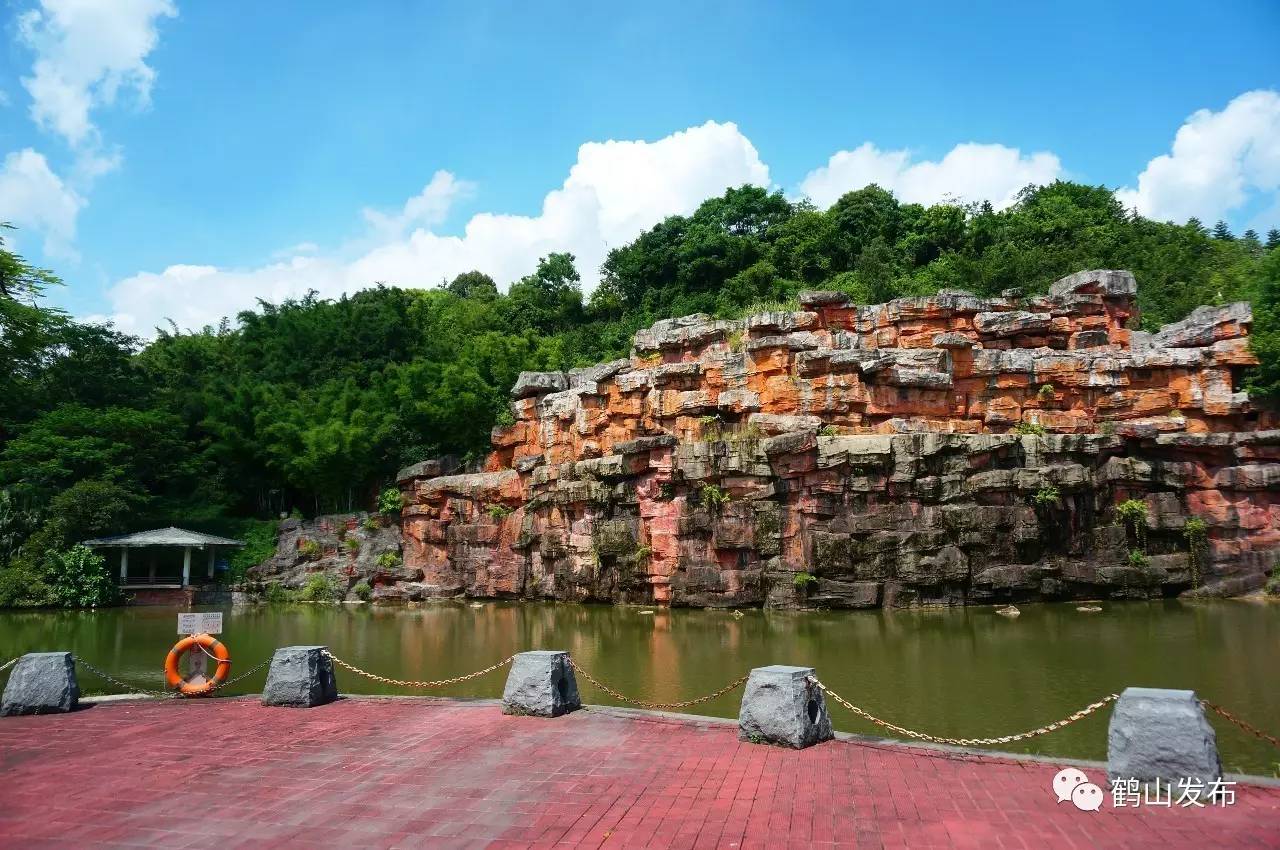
(194, 624)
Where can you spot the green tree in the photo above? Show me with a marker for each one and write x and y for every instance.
(81, 579)
(548, 300)
(473, 284)
(1265, 337)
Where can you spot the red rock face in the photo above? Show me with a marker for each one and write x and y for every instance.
(857, 456)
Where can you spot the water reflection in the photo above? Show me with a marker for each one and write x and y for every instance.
(954, 672)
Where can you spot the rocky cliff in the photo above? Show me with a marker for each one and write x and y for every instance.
(947, 449)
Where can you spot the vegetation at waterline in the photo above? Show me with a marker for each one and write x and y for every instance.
(311, 405)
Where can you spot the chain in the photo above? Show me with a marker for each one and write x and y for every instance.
(910, 733)
(611, 692)
(969, 742)
(126, 686)
(9, 663)
(1275, 742)
(217, 686)
(229, 682)
(436, 683)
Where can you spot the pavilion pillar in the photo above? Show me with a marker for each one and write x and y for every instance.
(186, 565)
(210, 562)
(124, 564)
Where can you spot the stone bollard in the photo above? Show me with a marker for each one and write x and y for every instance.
(300, 676)
(780, 706)
(41, 683)
(541, 683)
(1161, 734)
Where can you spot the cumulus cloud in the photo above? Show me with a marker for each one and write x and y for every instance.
(969, 172)
(87, 52)
(425, 209)
(194, 296)
(614, 190)
(34, 198)
(1219, 162)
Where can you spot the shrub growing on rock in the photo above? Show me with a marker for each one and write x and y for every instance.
(712, 497)
(802, 581)
(277, 594)
(321, 587)
(1133, 514)
(1047, 496)
(362, 591)
(1196, 532)
(390, 501)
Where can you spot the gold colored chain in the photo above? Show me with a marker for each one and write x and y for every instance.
(436, 683)
(658, 705)
(9, 663)
(217, 686)
(968, 742)
(1275, 742)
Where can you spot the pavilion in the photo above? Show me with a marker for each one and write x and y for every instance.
(158, 551)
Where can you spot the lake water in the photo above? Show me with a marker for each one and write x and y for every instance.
(953, 672)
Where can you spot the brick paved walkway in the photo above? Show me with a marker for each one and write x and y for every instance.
(435, 773)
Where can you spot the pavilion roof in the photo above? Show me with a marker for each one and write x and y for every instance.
(164, 537)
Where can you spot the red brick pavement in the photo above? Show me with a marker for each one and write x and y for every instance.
(436, 773)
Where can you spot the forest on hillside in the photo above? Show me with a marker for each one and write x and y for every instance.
(312, 405)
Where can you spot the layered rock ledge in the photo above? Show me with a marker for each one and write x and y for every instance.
(948, 449)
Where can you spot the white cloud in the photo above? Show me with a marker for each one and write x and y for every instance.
(969, 172)
(33, 197)
(195, 296)
(613, 191)
(1219, 162)
(425, 209)
(87, 51)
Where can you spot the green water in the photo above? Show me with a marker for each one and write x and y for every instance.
(953, 672)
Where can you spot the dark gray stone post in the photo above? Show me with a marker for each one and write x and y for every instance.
(541, 683)
(300, 676)
(41, 683)
(781, 706)
(1161, 734)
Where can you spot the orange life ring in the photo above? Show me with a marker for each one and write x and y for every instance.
(203, 643)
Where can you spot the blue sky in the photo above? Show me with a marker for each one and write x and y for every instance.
(180, 159)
